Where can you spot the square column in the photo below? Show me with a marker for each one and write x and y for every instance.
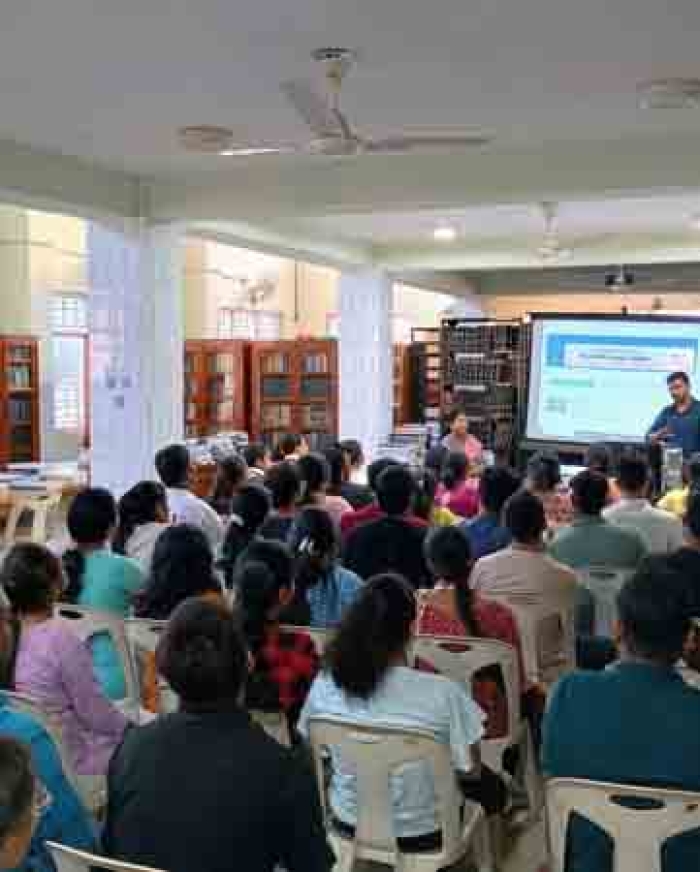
(136, 348)
(365, 357)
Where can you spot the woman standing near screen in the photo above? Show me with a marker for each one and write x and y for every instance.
(459, 440)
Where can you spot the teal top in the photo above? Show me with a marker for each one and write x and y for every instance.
(109, 584)
(593, 541)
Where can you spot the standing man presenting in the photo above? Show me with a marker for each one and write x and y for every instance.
(678, 425)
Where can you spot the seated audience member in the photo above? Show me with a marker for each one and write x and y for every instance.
(205, 787)
(258, 460)
(285, 661)
(291, 447)
(334, 494)
(435, 459)
(173, 467)
(459, 440)
(250, 508)
(182, 567)
(284, 485)
(315, 474)
(424, 506)
(523, 572)
(661, 531)
(63, 819)
(599, 459)
(458, 490)
(355, 489)
(391, 543)
(543, 479)
(143, 515)
(231, 475)
(367, 681)
(687, 559)
(99, 579)
(50, 663)
(277, 557)
(321, 585)
(675, 501)
(590, 540)
(636, 722)
(21, 799)
(452, 608)
(487, 533)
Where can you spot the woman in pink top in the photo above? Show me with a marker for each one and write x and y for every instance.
(460, 441)
(452, 608)
(459, 492)
(315, 472)
(50, 664)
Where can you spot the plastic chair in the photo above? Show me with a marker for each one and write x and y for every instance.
(39, 506)
(275, 725)
(460, 660)
(86, 624)
(603, 583)
(71, 860)
(320, 637)
(142, 635)
(374, 753)
(638, 833)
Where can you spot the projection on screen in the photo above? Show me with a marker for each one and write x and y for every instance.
(597, 380)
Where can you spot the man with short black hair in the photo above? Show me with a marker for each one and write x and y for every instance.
(352, 520)
(636, 722)
(661, 531)
(590, 540)
(257, 458)
(391, 543)
(173, 468)
(487, 533)
(678, 425)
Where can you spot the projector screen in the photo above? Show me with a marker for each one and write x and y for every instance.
(599, 379)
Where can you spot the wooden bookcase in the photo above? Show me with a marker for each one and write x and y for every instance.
(216, 386)
(425, 366)
(401, 385)
(19, 400)
(295, 390)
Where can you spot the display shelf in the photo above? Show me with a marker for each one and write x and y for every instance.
(216, 386)
(19, 400)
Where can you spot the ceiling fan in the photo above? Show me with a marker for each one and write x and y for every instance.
(333, 133)
(551, 248)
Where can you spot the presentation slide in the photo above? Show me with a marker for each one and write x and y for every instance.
(600, 379)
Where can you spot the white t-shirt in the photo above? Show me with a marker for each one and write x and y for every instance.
(186, 508)
(661, 531)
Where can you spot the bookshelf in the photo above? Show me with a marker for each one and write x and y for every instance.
(295, 389)
(401, 385)
(425, 366)
(216, 386)
(19, 399)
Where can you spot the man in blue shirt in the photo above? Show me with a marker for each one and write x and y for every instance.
(637, 722)
(678, 425)
(486, 532)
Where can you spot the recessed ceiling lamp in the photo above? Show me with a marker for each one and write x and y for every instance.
(445, 233)
(669, 94)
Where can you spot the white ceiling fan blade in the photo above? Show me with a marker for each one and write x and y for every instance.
(318, 114)
(426, 143)
(259, 151)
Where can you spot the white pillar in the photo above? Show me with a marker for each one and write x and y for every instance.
(136, 357)
(365, 357)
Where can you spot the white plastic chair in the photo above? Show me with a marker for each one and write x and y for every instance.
(638, 833)
(320, 637)
(142, 636)
(39, 506)
(604, 584)
(88, 623)
(374, 753)
(460, 660)
(275, 725)
(71, 860)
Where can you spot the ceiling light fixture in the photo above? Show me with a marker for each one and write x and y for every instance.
(669, 94)
(444, 233)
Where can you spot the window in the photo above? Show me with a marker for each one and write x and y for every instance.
(67, 312)
(68, 319)
(250, 324)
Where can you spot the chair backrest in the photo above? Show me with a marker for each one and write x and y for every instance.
(275, 725)
(320, 637)
(604, 584)
(71, 860)
(374, 753)
(142, 635)
(88, 623)
(638, 819)
(40, 505)
(461, 659)
(548, 638)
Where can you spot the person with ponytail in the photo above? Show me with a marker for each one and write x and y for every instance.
(249, 510)
(323, 588)
(367, 680)
(143, 515)
(98, 578)
(205, 788)
(459, 489)
(50, 664)
(285, 661)
(315, 473)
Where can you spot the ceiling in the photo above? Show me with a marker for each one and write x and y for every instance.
(96, 90)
